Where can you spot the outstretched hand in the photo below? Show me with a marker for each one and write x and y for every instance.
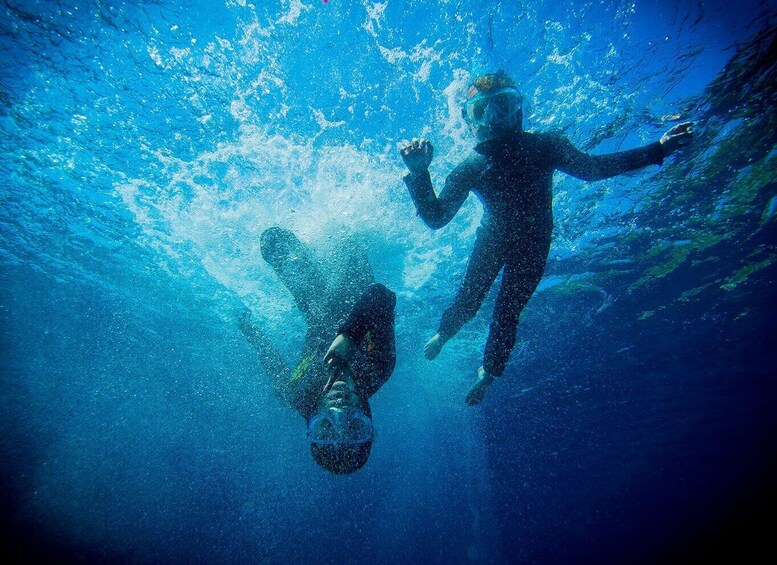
(676, 137)
(417, 155)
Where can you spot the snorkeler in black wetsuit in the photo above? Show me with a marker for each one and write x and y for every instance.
(348, 354)
(511, 172)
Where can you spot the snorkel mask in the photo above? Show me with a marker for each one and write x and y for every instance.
(340, 433)
(346, 425)
(493, 107)
(340, 419)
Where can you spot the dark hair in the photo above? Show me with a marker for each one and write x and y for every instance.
(341, 459)
(344, 458)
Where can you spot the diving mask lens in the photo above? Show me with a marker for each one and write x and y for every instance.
(340, 426)
(492, 107)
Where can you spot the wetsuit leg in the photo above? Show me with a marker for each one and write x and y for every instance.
(271, 360)
(295, 266)
(484, 265)
(371, 326)
(519, 281)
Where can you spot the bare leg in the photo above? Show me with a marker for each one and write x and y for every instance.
(478, 389)
(434, 346)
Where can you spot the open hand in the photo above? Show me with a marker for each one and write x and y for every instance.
(417, 155)
(676, 137)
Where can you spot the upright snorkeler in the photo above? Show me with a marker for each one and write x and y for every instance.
(348, 354)
(511, 171)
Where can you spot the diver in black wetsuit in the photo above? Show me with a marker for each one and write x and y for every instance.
(348, 354)
(511, 171)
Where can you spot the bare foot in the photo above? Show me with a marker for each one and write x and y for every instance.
(433, 346)
(478, 389)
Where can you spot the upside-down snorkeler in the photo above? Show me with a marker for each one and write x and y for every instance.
(348, 354)
(511, 171)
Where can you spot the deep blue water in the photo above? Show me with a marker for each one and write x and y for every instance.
(146, 145)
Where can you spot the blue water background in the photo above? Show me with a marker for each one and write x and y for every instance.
(146, 146)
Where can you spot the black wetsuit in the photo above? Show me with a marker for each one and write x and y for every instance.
(348, 302)
(513, 177)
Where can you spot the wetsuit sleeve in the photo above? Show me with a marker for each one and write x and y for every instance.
(437, 211)
(373, 309)
(596, 167)
(371, 326)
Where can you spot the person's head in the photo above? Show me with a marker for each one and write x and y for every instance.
(340, 432)
(493, 106)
